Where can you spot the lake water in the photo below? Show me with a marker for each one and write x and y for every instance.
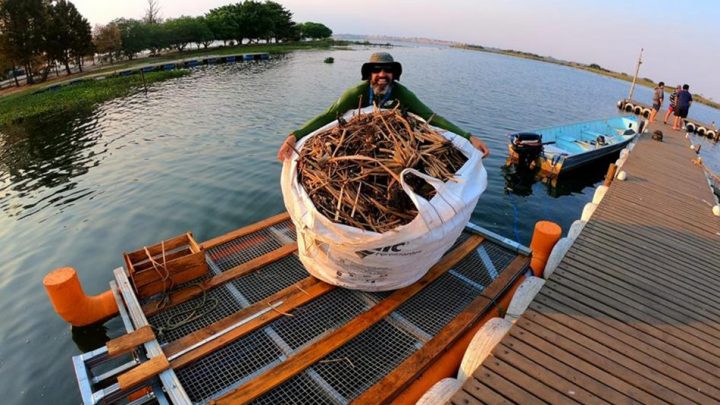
(198, 154)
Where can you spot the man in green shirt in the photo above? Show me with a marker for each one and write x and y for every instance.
(378, 87)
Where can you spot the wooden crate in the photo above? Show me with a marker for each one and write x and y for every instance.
(183, 260)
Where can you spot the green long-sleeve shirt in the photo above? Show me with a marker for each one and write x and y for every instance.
(350, 99)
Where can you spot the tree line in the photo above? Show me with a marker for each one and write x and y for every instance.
(36, 33)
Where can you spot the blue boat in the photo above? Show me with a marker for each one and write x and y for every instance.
(564, 148)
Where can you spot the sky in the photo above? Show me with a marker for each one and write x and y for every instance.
(681, 39)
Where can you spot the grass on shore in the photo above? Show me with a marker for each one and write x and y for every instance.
(82, 96)
(590, 68)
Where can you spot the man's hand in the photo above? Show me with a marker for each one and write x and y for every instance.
(479, 145)
(287, 148)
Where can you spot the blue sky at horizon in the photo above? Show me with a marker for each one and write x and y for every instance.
(680, 39)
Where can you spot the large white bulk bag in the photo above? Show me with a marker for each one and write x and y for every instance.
(354, 258)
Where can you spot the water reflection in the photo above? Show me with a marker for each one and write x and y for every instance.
(41, 158)
(520, 179)
(89, 338)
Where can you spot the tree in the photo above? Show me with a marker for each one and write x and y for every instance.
(133, 35)
(314, 30)
(222, 23)
(67, 35)
(203, 33)
(152, 13)
(107, 40)
(282, 25)
(23, 24)
(184, 30)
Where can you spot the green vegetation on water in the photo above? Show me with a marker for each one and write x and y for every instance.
(77, 97)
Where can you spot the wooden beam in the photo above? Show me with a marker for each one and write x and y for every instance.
(305, 358)
(178, 297)
(272, 312)
(129, 342)
(385, 390)
(143, 372)
(245, 230)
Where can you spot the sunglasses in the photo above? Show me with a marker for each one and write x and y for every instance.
(380, 68)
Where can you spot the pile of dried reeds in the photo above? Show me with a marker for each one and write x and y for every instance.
(351, 172)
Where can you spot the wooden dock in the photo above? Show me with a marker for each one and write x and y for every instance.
(632, 313)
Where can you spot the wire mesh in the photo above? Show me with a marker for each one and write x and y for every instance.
(500, 256)
(243, 249)
(301, 389)
(229, 366)
(271, 278)
(321, 315)
(226, 306)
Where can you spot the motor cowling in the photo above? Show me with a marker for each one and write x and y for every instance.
(527, 145)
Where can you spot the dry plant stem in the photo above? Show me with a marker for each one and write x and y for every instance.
(352, 172)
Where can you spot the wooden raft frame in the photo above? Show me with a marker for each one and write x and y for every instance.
(195, 346)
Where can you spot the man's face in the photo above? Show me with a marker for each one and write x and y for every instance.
(380, 78)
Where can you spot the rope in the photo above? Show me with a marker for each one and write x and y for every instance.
(205, 306)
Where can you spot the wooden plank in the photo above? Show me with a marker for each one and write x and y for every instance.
(167, 246)
(579, 366)
(292, 302)
(704, 336)
(481, 395)
(639, 321)
(143, 372)
(402, 376)
(659, 283)
(245, 230)
(303, 359)
(129, 342)
(640, 351)
(575, 376)
(648, 292)
(531, 384)
(507, 388)
(558, 382)
(597, 361)
(178, 297)
(191, 339)
(656, 372)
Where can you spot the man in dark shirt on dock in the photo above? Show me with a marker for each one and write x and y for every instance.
(684, 99)
(379, 87)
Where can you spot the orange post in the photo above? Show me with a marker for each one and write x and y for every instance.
(70, 302)
(545, 236)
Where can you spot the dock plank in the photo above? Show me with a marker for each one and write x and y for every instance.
(631, 314)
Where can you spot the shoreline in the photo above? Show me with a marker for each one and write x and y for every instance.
(588, 68)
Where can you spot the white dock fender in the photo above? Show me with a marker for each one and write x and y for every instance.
(624, 153)
(576, 227)
(711, 134)
(441, 392)
(630, 146)
(588, 211)
(523, 296)
(622, 176)
(556, 256)
(637, 109)
(481, 345)
(599, 194)
(716, 210)
(629, 107)
(620, 162)
(646, 112)
(620, 104)
(690, 127)
(701, 131)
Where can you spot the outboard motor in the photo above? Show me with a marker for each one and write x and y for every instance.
(528, 146)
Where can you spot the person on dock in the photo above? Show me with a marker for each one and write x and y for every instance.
(658, 97)
(379, 87)
(673, 103)
(684, 99)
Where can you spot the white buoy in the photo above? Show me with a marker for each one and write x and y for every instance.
(481, 345)
(716, 210)
(599, 194)
(441, 392)
(624, 153)
(588, 210)
(556, 256)
(575, 229)
(622, 176)
(523, 296)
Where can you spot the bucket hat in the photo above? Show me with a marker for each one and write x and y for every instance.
(381, 59)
